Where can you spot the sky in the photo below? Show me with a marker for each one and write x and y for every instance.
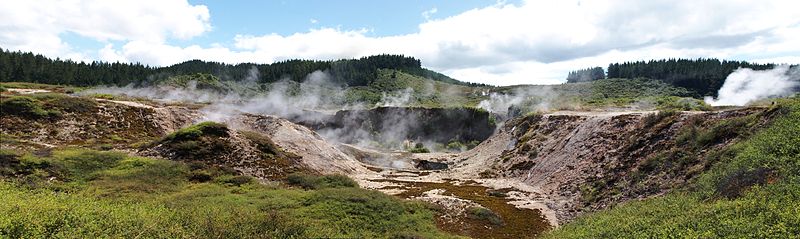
(492, 42)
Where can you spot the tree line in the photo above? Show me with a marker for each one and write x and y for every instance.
(584, 75)
(29, 67)
(704, 76)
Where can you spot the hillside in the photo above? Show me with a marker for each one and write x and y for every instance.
(29, 67)
(607, 157)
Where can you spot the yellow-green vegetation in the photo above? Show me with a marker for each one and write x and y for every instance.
(753, 191)
(45, 105)
(78, 193)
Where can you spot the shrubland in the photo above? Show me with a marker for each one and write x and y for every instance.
(86, 193)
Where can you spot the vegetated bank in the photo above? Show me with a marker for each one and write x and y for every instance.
(59, 179)
(749, 188)
(87, 193)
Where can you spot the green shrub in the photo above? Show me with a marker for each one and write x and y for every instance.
(235, 180)
(725, 129)
(22, 106)
(193, 132)
(653, 119)
(308, 181)
(131, 197)
(419, 148)
(197, 142)
(455, 145)
(482, 213)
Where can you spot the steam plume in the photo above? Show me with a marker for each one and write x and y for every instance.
(747, 85)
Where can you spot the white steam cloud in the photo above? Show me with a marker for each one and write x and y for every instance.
(524, 99)
(747, 85)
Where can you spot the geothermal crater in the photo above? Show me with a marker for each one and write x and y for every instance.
(491, 179)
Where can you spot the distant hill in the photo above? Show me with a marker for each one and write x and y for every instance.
(703, 76)
(29, 67)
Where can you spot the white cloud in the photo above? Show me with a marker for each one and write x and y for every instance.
(36, 25)
(533, 42)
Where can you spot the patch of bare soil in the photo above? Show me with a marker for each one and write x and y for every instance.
(27, 91)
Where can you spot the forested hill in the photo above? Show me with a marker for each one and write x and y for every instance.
(29, 67)
(704, 76)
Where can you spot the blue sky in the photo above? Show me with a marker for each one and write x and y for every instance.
(252, 17)
(494, 42)
(383, 18)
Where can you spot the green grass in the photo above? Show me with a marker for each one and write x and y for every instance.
(308, 181)
(46, 105)
(753, 191)
(78, 193)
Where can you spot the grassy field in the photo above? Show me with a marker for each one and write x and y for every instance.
(76, 193)
(753, 191)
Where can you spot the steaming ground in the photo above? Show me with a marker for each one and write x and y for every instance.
(746, 85)
(545, 189)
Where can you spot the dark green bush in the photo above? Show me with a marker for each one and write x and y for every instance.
(22, 106)
(419, 148)
(482, 213)
(207, 128)
(734, 184)
(236, 180)
(200, 176)
(308, 181)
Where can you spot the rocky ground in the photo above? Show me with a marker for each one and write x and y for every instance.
(532, 174)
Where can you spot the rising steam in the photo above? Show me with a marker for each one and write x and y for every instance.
(746, 85)
(523, 99)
